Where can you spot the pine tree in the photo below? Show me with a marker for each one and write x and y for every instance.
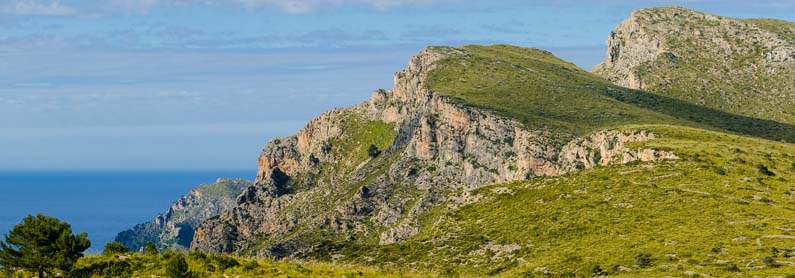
(43, 245)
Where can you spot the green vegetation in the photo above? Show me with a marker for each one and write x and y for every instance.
(150, 248)
(535, 87)
(115, 248)
(195, 264)
(373, 151)
(43, 245)
(543, 91)
(709, 212)
(177, 267)
(363, 138)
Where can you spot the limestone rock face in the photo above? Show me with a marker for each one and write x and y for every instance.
(174, 229)
(312, 189)
(742, 66)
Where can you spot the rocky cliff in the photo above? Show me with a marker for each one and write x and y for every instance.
(742, 66)
(174, 229)
(324, 185)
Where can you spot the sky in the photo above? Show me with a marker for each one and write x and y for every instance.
(203, 84)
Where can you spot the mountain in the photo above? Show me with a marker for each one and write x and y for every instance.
(435, 149)
(742, 66)
(508, 161)
(174, 229)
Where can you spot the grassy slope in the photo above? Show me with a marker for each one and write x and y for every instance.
(541, 90)
(210, 266)
(534, 87)
(703, 213)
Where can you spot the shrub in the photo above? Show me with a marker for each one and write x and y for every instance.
(373, 151)
(764, 170)
(733, 268)
(177, 267)
(102, 267)
(643, 260)
(770, 262)
(598, 271)
(114, 248)
(225, 262)
(250, 266)
(151, 249)
(196, 254)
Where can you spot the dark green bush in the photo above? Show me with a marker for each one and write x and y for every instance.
(373, 151)
(115, 248)
(177, 267)
(643, 260)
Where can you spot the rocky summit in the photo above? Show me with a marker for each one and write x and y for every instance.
(744, 66)
(673, 157)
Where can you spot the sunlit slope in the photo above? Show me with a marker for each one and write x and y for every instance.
(723, 207)
(543, 91)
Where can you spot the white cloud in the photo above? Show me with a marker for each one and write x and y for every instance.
(35, 7)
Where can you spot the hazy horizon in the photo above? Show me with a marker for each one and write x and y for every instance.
(165, 84)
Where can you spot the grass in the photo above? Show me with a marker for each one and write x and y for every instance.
(542, 91)
(706, 213)
(536, 88)
(202, 265)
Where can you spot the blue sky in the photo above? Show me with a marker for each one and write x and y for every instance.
(205, 83)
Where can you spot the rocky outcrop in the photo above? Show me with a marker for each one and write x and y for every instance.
(742, 66)
(609, 147)
(174, 229)
(317, 187)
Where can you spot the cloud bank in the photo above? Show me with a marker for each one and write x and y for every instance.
(34, 7)
(57, 8)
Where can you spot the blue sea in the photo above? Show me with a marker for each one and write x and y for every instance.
(100, 203)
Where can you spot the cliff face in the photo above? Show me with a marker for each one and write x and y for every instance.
(742, 66)
(322, 185)
(174, 229)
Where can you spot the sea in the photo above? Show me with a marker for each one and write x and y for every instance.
(101, 203)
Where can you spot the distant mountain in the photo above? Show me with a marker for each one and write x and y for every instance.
(174, 229)
(742, 66)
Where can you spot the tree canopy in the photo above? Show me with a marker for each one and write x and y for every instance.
(42, 244)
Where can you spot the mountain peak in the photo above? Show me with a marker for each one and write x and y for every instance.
(742, 66)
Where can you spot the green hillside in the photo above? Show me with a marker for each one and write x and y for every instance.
(541, 90)
(203, 265)
(725, 206)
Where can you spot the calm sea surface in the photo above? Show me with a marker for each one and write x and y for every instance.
(100, 203)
